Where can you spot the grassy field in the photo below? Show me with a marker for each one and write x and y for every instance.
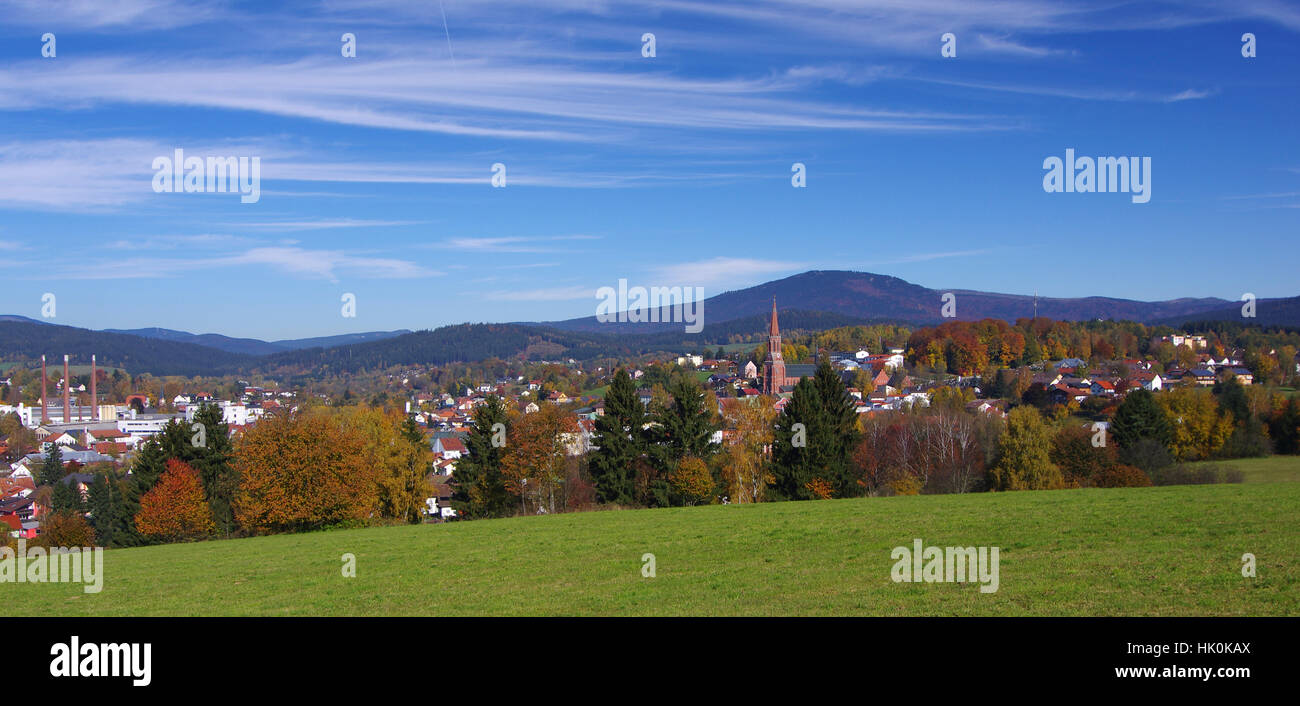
(1270, 469)
(1142, 551)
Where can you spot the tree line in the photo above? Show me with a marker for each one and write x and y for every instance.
(289, 472)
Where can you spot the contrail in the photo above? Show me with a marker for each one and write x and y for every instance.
(447, 32)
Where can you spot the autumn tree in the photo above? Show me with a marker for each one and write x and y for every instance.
(1024, 454)
(405, 488)
(1198, 428)
(1121, 476)
(536, 451)
(302, 472)
(1078, 458)
(692, 481)
(175, 508)
(65, 529)
(395, 451)
(935, 450)
(864, 381)
(174, 441)
(746, 470)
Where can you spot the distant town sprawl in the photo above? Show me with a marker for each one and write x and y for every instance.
(96, 456)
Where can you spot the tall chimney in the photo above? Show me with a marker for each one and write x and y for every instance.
(67, 392)
(94, 399)
(45, 409)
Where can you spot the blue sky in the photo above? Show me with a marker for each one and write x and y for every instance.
(672, 170)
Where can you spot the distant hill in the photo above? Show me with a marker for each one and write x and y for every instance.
(28, 340)
(253, 346)
(811, 301)
(20, 319)
(472, 342)
(1268, 312)
(868, 296)
(246, 346)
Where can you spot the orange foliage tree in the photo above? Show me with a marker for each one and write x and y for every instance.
(175, 508)
(303, 472)
(819, 489)
(537, 447)
(63, 529)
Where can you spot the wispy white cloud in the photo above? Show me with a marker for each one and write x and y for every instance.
(173, 242)
(291, 261)
(509, 244)
(493, 99)
(1005, 45)
(116, 16)
(1189, 94)
(107, 175)
(96, 174)
(1078, 93)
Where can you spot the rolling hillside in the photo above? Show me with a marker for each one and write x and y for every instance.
(1268, 312)
(29, 340)
(462, 342)
(1133, 551)
(253, 346)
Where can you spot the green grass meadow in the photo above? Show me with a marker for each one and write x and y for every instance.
(1269, 469)
(1140, 551)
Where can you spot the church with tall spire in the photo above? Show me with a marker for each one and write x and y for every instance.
(773, 364)
(776, 374)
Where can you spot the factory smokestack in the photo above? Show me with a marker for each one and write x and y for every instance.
(94, 398)
(67, 392)
(45, 402)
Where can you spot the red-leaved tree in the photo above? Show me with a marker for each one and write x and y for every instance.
(175, 508)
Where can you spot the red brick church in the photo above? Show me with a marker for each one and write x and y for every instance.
(777, 376)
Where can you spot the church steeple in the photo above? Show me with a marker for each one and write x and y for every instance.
(774, 363)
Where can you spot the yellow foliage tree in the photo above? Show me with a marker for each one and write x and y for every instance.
(1199, 429)
(692, 480)
(745, 457)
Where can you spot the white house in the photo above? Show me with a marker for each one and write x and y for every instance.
(449, 447)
